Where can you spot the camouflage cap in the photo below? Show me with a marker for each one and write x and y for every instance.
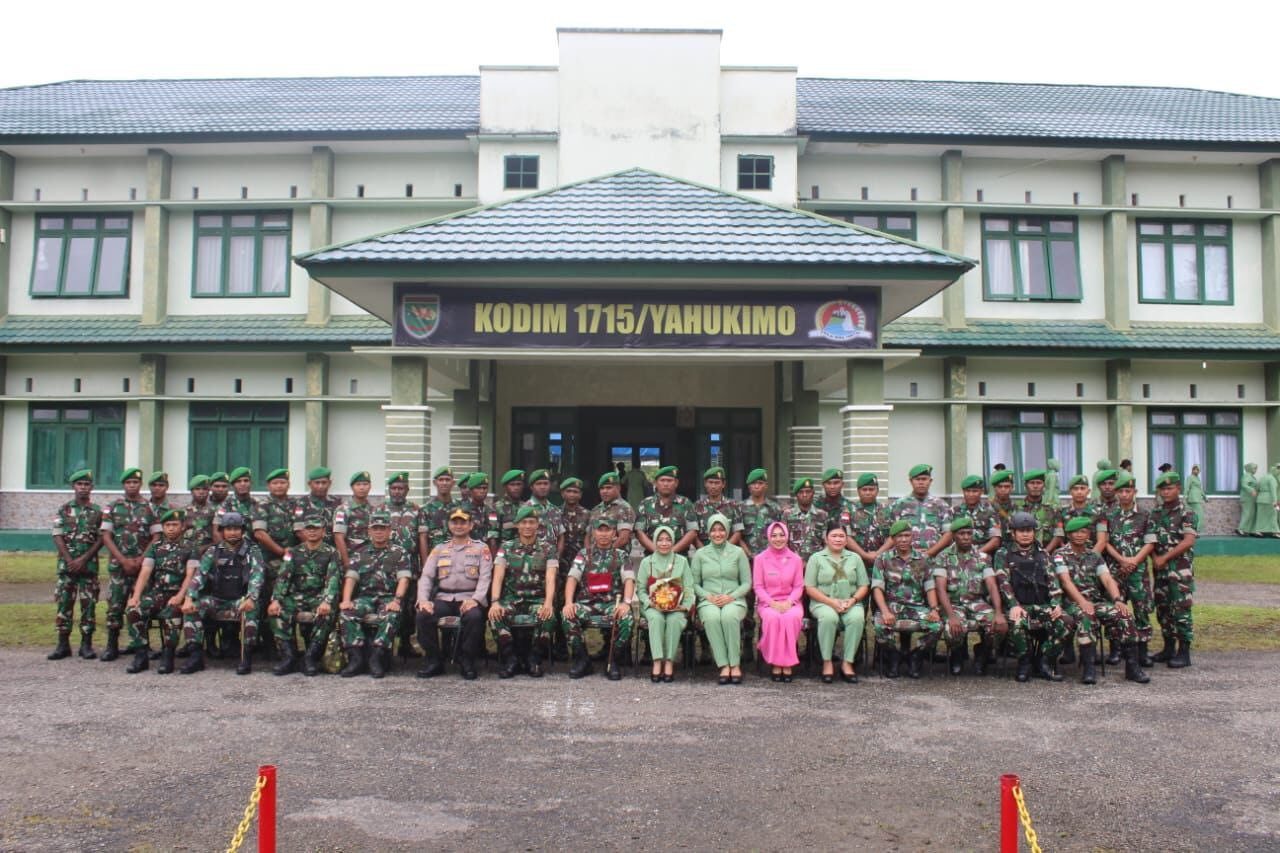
(131, 474)
(973, 481)
(900, 526)
(82, 474)
(158, 477)
(1080, 522)
(605, 521)
(313, 520)
(380, 518)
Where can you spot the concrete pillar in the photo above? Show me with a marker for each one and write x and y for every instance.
(1269, 181)
(317, 411)
(1120, 411)
(151, 370)
(155, 239)
(486, 413)
(1115, 244)
(465, 435)
(3, 390)
(1271, 382)
(321, 229)
(953, 235)
(955, 382)
(783, 419)
(6, 225)
(408, 423)
(866, 422)
(804, 435)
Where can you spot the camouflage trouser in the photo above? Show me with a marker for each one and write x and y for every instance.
(1119, 628)
(222, 610)
(978, 617)
(1058, 630)
(384, 623)
(290, 606)
(595, 610)
(523, 612)
(268, 587)
(70, 589)
(1136, 588)
(1175, 588)
(911, 620)
(154, 604)
(119, 586)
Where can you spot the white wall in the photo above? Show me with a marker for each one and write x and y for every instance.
(264, 176)
(357, 433)
(916, 434)
(757, 101)
(926, 373)
(1055, 380)
(886, 177)
(54, 376)
(1049, 182)
(65, 178)
(13, 450)
(384, 175)
(1216, 382)
(519, 100)
(1204, 185)
(373, 377)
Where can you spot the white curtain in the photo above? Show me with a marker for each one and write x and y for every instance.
(1163, 449)
(1195, 446)
(1064, 450)
(1226, 453)
(1000, 449)
(208, 265)
(999, 269)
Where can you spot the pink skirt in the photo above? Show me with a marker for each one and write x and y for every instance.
(778, 633)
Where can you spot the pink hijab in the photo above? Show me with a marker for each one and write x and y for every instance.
(780, 559)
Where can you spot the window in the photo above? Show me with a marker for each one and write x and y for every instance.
(897, 224)
(228, 435)
(81, 255)
(242, 254)
(755, 172)
(544, 438)
(63, 438)
(520, 172)
(1030, 257)
(1025, 439)
(729, 438)
(1187, 262)
(1186, 437)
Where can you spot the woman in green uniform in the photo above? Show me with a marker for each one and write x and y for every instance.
(721, 579)
(665, 598)
(836, 582)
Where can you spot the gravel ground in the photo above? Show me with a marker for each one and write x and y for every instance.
(95, 759)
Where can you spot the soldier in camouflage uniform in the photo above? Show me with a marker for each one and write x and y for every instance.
(608, 584)
(241, 500)
(1095, 598)
(929, 515)
(308, 582)
(613, 506)
(128, 526)
(523, 594)
(273, 533)
(712, 502)
(805, 522)
(1002, 501)
(987, 529)
(1174, 526)
(158, 485)
(550, 519)
(434, 521)
(907, 603)
(198, 518)
(868, 525)
(159, 593)
(1105, 482)
(1079, 506)
(758, 512)
(1048, 519)
(834, 503)
(484, 515)
(226, 586)
(219, 488)
(667, 508)
(317, 500)
(971, 603)
(376, 580)
(1130, 541)
(509, 504)
(407, 533)
(77, 539)
(1031, 593)
(351, 519)
(577, 518)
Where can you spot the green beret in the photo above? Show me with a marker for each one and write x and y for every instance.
(218, 477)
(973, 481)
(715, 472)
(611, 478)
(380, 518)
(900, 526)
(667, 471)
(442, 471)
(605, 521)
(237, 473)
(477, 478)
(801, 483)
(920, 471)
(318, 473)
(171, 515)
(1125, 479)
(757, 474)
(526, 512)
(1080, 522)
(199, 481)
(1033, 474)
(313, 521)
(399, 477)
(1078, 480)
(1169, 478)
(1105, 474)
(82, 474)
(360, 477)
(570, 483)
(1000, 476)
(511, 476)
(278, 474)
(962, 522)
(158, 477)
(131, 474)
(832, 474)
(539, 474)
(867, 479)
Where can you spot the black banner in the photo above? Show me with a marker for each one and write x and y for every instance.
(428, 316)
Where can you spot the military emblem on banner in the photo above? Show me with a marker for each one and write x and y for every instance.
(420, 315)
(840, 320)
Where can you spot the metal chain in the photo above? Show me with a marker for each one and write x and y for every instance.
(1025, 817)
(249, 811)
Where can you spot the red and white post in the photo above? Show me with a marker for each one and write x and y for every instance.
(267, 810)
(1008, 814)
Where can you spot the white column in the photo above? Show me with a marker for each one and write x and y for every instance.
(806, 454)
(408, 444)
(866, 442)
(464, 448)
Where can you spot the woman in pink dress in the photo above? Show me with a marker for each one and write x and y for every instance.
(778, 577)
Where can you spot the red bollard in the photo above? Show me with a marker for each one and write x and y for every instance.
(1008, 814)
(267, 810)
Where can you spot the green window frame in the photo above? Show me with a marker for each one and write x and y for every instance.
(520, 172)
(897, 223)
(755, 172)
(1030, 258)
(1210, 438)
(227, 435)
(1026, 439)
(1185, 263)
(242, 254)
(81, 255)
(62, 438)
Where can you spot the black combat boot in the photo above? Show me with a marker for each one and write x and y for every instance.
(1133, 665)
(141, 660)
(311, 661)
(615, 667)
(113, 645)
(1024, 667)
(980, 652)
(1182, 657)
(195, 662)
(355, 662)
(581, 662)
(1088, 664)
(1115, 657)
(63, 649)
(185, 651)
(1068, 654)
(1144, 656)
(1166, 653)
(288, 657)
(166, 661)
(1047, 668)
(537, 654)
(245, 665)
(467, 668)
(432, 666)
(915, 660)
(510, 660)
(86, 647)
(889, 658)
(956, 658)
(377, 667)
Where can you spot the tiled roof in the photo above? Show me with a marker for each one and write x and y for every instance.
(636, 216)
(903, 108)
(1078, 335)
(268, 330)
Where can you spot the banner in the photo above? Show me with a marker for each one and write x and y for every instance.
(619, 319)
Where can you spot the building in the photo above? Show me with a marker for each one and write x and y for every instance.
(624, 259)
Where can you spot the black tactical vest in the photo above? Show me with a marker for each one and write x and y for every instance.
(1029, 575)
(231, 572)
